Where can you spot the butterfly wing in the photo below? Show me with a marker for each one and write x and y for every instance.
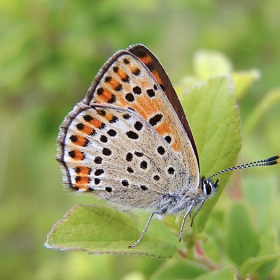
(126, 83)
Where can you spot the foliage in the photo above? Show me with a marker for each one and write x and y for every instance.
(50, 53)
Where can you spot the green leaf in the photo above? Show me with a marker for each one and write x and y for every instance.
(98, 229)
(211, 63)
(179, 270)
(227, 273)
(267, 257)
(243, 81)
(264, 262)
(215, 122)
(241, 239)
(268, 243)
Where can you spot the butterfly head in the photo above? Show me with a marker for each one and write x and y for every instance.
(208, 188)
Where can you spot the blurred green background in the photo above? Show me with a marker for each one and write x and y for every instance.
(51, 51)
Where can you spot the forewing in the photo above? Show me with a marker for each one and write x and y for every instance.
(126, 82)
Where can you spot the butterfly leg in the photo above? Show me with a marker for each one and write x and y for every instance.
(197, 210)
(193, 204)
(143, 232)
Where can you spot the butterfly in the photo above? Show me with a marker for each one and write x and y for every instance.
(129, 142)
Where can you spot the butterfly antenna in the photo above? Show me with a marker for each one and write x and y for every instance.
(263, 162)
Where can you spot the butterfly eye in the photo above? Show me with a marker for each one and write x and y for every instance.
(208, 188)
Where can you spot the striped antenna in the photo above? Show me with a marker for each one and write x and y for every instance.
(263, 162)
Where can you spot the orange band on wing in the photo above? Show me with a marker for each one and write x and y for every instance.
(105, 96)
(82, 170)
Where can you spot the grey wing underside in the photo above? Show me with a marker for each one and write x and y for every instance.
(118, 156)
